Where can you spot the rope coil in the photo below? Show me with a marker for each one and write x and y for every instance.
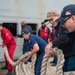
(28, 69)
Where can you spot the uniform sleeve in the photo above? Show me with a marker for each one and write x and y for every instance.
(7, 38)
(63, 39)
(33, 41)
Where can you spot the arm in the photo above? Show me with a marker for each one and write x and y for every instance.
(60, 40)
(30, 53)
(34, 50)
(62, 36)
(48, 48)
(7, 38)
(34, 45)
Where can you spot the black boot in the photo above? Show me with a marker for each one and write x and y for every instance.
(5, 67)
(9, 72)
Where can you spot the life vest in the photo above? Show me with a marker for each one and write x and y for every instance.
(44, 32)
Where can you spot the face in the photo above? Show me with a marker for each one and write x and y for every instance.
(69, 23)
(26, 36)
(52, 21)
(42, 24)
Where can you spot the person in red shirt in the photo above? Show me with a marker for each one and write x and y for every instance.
(44, 32)
(10, 43)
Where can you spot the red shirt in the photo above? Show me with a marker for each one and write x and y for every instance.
(44, 32)
(7, 37)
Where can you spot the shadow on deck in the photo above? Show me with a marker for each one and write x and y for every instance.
(2, 72)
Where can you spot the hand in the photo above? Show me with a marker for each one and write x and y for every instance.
(2, 45)
(52, 53)
(47, 52)
(48, 48)
(29, 53)
(27, 58)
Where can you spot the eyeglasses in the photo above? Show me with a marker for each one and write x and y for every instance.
(64, 21)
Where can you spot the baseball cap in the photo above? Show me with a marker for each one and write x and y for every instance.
(25, 31)
(51, 14)
(66, 12)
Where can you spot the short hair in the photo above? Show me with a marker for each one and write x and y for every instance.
(23, 22)
(42, 22)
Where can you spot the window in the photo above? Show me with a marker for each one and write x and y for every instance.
(34, 27)
(12, 27)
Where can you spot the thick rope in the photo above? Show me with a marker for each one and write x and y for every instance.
(21, 68)
(70, 73)
(44, 65)
(59, 63)
(33, 63)
(28, 69)
(10, 61)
